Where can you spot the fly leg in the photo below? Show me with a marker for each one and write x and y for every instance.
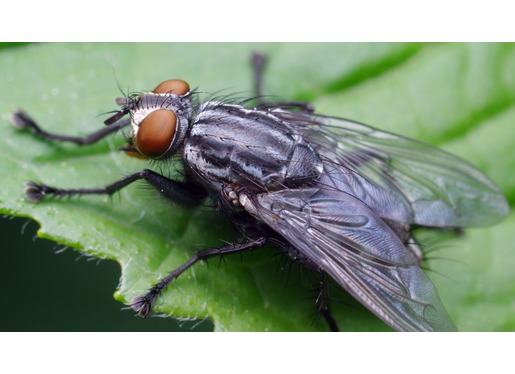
(323, 304)
(185, 193)
(322, 299)
(258, 61)
(143, 304)
(22, 120)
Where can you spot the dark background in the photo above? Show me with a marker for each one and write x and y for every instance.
(43, 290)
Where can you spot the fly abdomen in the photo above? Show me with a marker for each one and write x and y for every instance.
(249, 147)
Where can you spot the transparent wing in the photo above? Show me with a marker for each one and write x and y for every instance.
(400, 178)
(348, 241)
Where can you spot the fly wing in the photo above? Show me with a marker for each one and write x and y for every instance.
(348, 241)
(400, 178)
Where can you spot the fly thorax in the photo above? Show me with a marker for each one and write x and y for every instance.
(249, 147)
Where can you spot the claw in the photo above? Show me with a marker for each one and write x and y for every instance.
(34, 192)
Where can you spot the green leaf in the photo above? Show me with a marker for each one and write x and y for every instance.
(458, 96)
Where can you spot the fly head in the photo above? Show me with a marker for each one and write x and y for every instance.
(159, 119)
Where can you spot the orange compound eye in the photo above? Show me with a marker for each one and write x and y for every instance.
(156, 133)
(176, 86)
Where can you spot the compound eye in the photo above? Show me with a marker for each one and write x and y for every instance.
(175, 86)
(156, 133)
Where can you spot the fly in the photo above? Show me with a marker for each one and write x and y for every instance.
(338, 196)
